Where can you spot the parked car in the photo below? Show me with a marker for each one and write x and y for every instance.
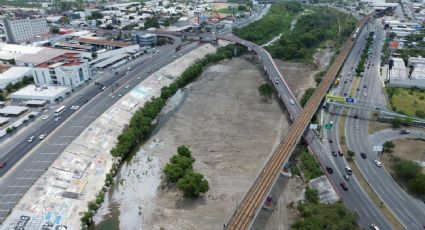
(377, 163)
(343, 186)
(363, 155)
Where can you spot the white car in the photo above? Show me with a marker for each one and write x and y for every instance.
(75, 107)
(138, 78)
(31, 139)
(57, 118)
(348, 170)
(46, 117)
(127, 86)
(276, 80)
(377, 163)
(42, 136)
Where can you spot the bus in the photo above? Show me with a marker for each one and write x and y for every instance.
(60, 110)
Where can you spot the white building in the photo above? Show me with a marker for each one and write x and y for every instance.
(418, 72)
(14, 75)
(69, 69)
(49, 94)
(413, 61)
(23, 30)
(398, 71)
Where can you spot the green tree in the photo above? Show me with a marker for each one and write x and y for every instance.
(266, 90)
(96, 15)
(396, 122)
(193, 184)
(350, 154)
(151, 23)
(54, 30)
(109, 27)
(311, 195)
(388, 146)
(406, 169)
(417, 184)
(177, 167)
(12, 61)
(184, 151)
(420, 113)
(306, 96)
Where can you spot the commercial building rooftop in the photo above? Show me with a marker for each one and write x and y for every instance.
(418, 72)
(72, 45)
(67, 59)
(13, 110)
(398, 71)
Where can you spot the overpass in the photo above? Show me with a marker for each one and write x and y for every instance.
(254, 198)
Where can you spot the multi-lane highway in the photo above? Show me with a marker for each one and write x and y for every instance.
(253, 199)
(27, 161)
(409, 210)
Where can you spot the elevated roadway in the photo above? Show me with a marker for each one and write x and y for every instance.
(256, 195)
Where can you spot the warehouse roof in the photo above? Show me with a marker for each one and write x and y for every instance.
(13, 110)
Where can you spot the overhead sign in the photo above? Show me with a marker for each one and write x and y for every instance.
(313, 126)
(336, 98)
(350, 100)
(328, 126)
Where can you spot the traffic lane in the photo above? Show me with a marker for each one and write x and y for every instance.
(383, 183)
(381, 136)
(48, 125)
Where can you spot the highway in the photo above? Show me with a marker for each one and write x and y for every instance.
(254, 198)
(27, 161)
(409, 210)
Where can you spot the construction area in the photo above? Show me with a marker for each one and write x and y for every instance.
(58, 199)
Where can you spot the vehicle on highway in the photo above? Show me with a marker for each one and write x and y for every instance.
(332, 113)
(60, 110)
(340, 153)
(374, 227)
(149, 70)
(346, 177)
(334, 153)
(82, 93)
(127, 86)
(329, 169)
(276, 80)
(119, 95)
(348, 170)
(42, 136)
(113, 96)
(404, 131)
(75, 107)
(103, 88)
(46, 117)
(365, 86)
(2, 164)
(365, 94)
(31, 139)
(138, 78)
(363, 155)
(129, 68)
(377, 163)
(292, 101)
(331, 141)
(357, 127)
(355, 116)
(343, 186)
(57, 118)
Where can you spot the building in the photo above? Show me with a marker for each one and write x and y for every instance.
(413, 61)
(398, 71)
(23, 30)
(69, 69)
(13, 75)
(72, 46)
(48, 94)
(144, 39)
(101, 43)
(12, 110)
(418, 72)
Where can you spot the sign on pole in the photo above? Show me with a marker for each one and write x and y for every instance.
(313, 126)
(378, 148)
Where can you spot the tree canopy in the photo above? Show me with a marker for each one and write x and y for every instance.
(266, 90)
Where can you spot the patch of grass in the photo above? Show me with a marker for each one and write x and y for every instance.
(407, 101)
(309, 166)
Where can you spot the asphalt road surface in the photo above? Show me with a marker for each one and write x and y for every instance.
(409, 210)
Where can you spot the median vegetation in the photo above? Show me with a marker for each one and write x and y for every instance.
(142, 123)
(308, 164)
(361, 65)
(180, 171)
(314, 215)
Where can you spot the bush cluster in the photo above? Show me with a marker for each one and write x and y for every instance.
(410, 174)
(180, 170)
